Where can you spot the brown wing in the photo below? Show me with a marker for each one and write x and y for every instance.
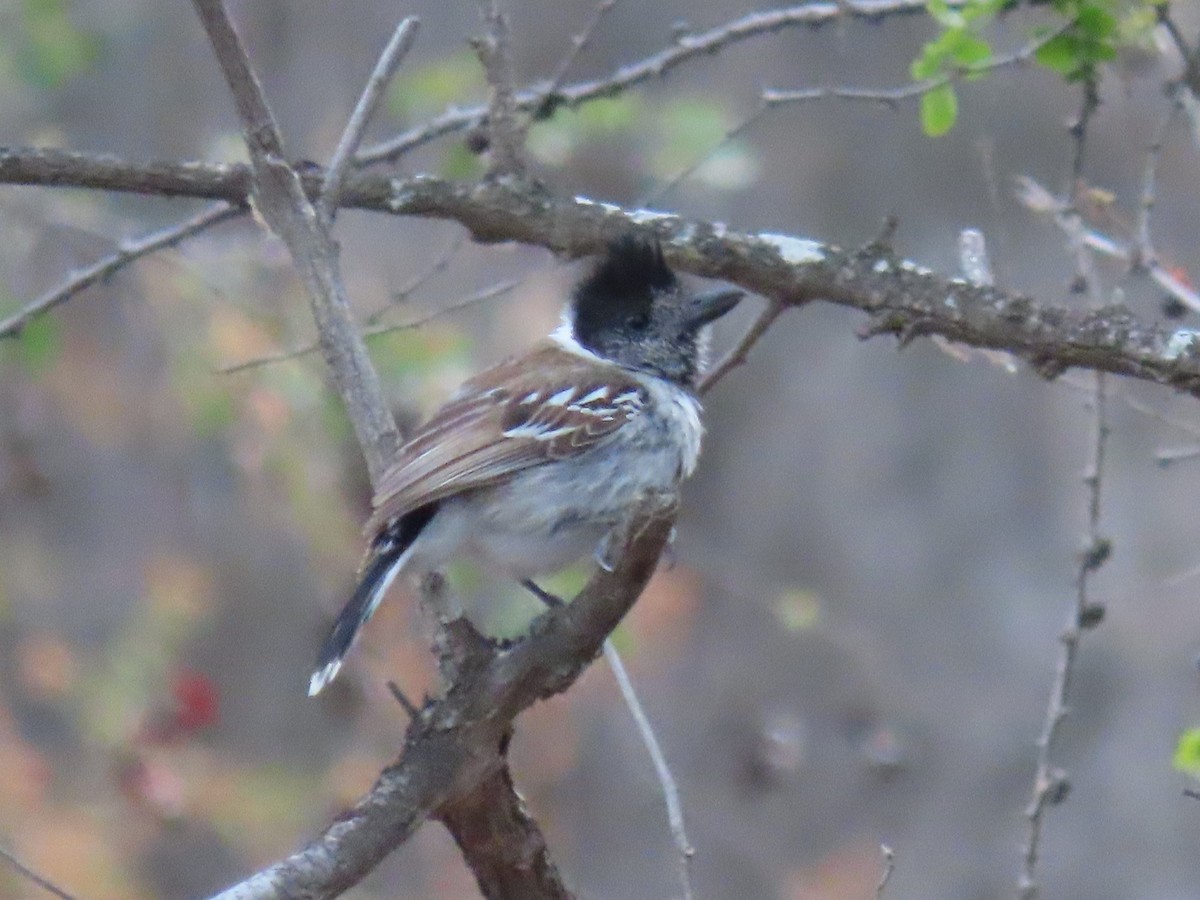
(545, 406)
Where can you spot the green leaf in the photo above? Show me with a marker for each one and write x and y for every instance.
(1096, 23)
(928, 64)
(972, 52)
(945, 16)
(39, 345)
(939, 109)
(1187, 753)
(1061, 53)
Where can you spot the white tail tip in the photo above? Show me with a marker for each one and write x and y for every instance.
(322, 677)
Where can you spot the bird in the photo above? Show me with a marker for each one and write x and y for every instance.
(532, 463)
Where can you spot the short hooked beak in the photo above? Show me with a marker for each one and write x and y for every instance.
(711, 305)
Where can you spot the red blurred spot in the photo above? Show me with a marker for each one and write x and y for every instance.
(197, 703)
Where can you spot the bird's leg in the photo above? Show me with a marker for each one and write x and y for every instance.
(551, 600)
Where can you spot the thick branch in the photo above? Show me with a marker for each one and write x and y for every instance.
(502, 843)
(454, 744)
(900, 297)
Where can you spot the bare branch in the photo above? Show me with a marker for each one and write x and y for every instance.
(741, 350)
(893, 97)
(661, 768)
(1051, 785)
(731, 134)
(488, 293)
(900, 297)
(501, 842)
(454, 743)
(889, 866)
(127, 252)
(389, 61)
(506, 134)
(579, 43)
(1143, 255)
(25, 872)
(1038, 199)
(685, 49)
(281, 198)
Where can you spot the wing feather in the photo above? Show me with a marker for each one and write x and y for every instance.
(550, 405)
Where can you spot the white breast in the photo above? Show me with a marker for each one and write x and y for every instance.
(681, 410)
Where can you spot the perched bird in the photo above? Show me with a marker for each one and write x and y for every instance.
(532, 463)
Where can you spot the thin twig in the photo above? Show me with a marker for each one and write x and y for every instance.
(389, 61)
(1051, 784)
(127, 252)
(579, 43)
(280, 197)
(893, 97)
(506, 133)
(1143, 255)
(741, 350)
(667, 781)
(1036, 198)
(686, 48)
(406, 290)
(889, 866)
(402, 698)
(488, 293)
(687, 171)
(26, 872)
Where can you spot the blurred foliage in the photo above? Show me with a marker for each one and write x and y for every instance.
(1187, 753)
(420, 92)
(666, 136)
(1086, 34)
(48, 47)
(38, 348)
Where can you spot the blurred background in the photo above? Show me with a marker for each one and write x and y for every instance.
(857, 640)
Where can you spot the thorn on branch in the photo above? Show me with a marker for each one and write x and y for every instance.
(1091, 615)
(402, 699)
(1099, 551)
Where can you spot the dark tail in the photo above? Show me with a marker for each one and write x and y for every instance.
(385, 562)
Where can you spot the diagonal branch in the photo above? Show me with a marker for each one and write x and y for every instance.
(389, 61)
(501, 842)
(127, 252)
(23, 870)
(454, 744)
(281, 199)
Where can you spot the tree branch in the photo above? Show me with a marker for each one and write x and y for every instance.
(280, 197)
(900, 297)
(506, 134)
(454, 744)
(389, 61)
(127, 252)
(502, 843)
(24, 871)
(544, 97)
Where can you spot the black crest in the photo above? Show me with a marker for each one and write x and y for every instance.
(621, 287)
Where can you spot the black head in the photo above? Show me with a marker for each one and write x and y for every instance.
(632, 309)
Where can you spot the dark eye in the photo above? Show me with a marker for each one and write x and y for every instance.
(639, 322)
